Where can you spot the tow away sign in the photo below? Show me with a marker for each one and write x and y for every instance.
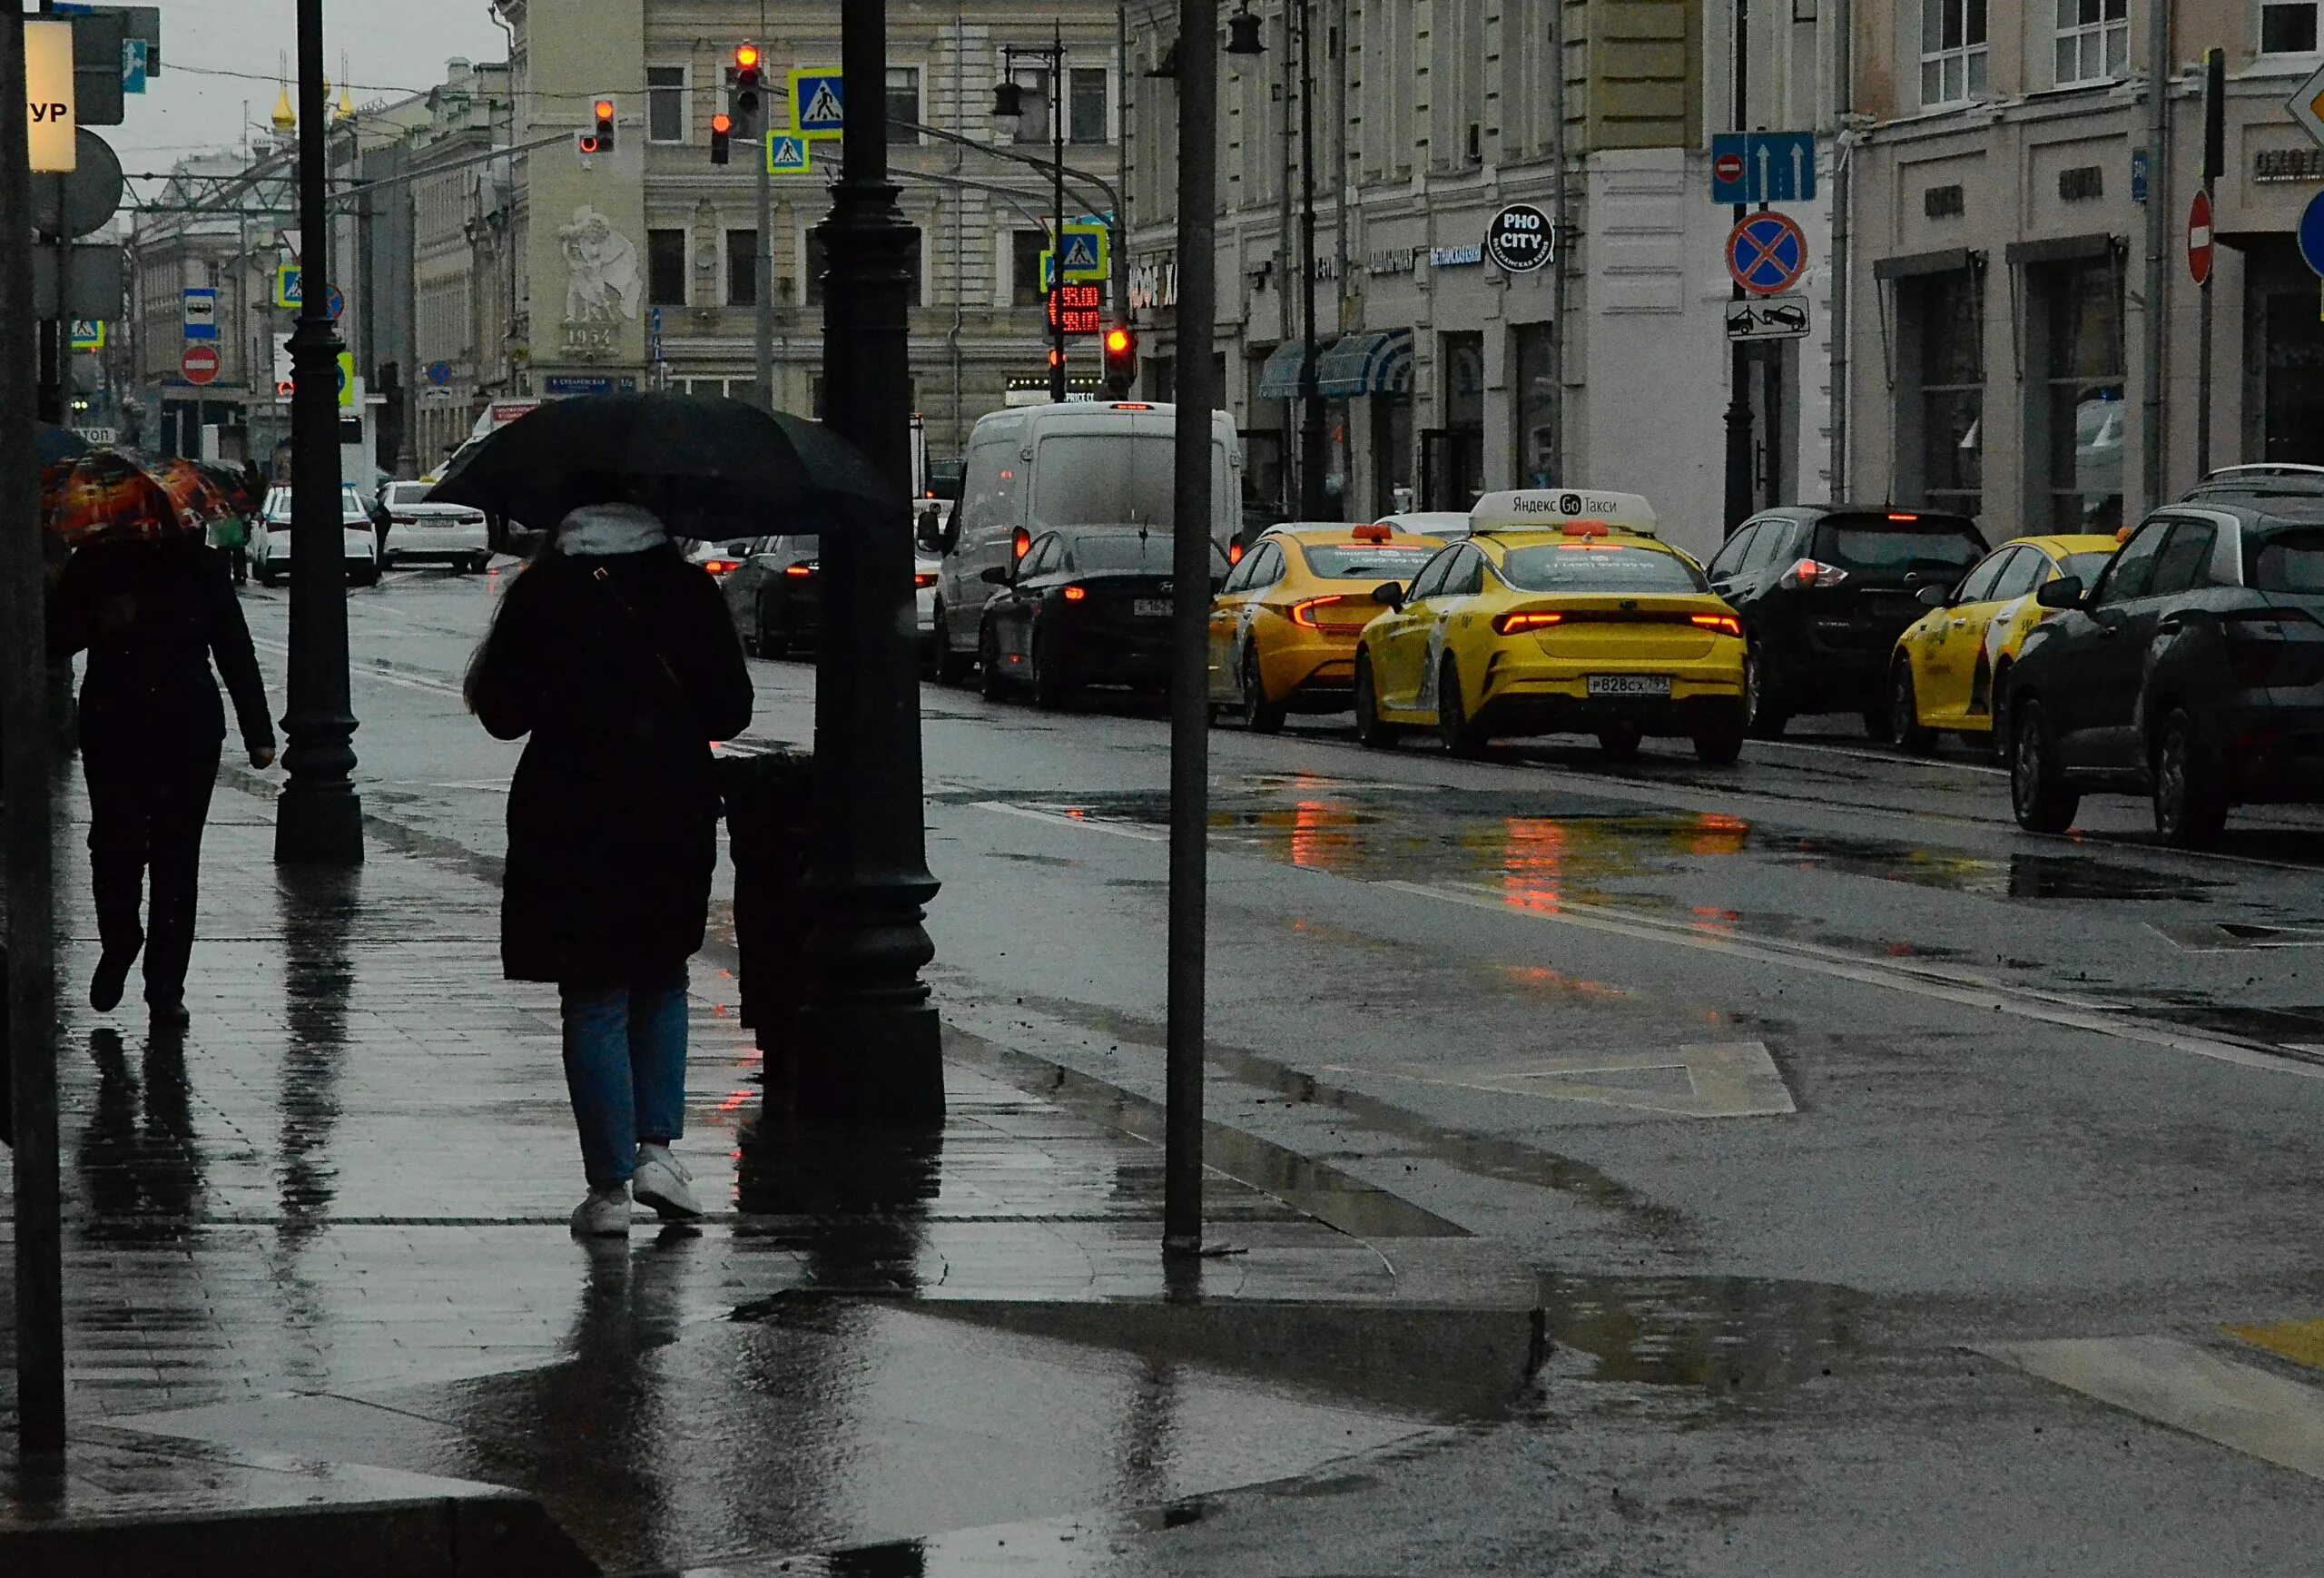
(1767, 318)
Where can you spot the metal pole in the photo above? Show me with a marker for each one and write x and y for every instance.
(1057, 205)
(1738, 378)
(1844, 99)
(763, 267)
(1191, 511)
(2214, 166)
(2158, 198)
(1119, 238)
(1311, 398)
(319, 820)
(868, 1041)
(25, 784)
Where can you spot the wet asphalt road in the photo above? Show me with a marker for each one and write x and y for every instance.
(1815, 1090)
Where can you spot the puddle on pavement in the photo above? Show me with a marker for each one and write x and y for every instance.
(1729, 1337)
(2020, 876)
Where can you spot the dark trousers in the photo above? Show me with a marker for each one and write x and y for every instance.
(148, 800)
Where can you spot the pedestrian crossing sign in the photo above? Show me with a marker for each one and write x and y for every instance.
(1087, 255)
(786, 153)
(818, 100)
(88, 334)
(286, 285)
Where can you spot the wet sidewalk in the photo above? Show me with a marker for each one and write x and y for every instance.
(323, 1232)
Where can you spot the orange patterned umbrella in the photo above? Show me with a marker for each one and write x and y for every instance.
(124, 493)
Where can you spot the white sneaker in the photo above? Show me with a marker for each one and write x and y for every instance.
(663, 1182)
(604, 1214)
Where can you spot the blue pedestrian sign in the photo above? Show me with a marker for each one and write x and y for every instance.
(818, 102)
(2311, 234)
(786, 153)
(1083, 252)
(1762, 167)
(1767, 254)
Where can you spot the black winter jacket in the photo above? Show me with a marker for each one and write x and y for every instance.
(623, 669)
(152, 616)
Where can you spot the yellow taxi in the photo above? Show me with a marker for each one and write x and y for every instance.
(1948, 668)
(1282, 628)
(1560, 613)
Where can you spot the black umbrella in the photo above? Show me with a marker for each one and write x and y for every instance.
(54, 444)
(708, 466)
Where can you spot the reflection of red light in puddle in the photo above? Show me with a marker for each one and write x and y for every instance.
(1532, 859)
(1319, 840)
(1557, 980)
(734, 1100)
(1712, 918)
(1900, 950)
(1717, 834)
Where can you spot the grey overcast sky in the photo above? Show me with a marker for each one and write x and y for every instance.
(391, 46)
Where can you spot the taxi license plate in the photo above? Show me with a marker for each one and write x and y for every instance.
(1630, 684)
(1151, 607)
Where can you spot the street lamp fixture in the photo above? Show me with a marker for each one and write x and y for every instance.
(1007, 104)
(1243, 32)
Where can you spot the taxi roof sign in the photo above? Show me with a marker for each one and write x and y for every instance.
(1551, 508)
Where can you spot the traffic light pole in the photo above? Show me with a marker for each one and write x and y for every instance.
(1311, 397)
(319, 820)
(762, 287)
(1057, 205)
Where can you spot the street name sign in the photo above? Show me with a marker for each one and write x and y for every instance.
(49, 99)
(1766, 254)
(1762, 167)
(200, 312)
(818, 100)
(1767, 318)
(2307, 104)
(1521, 239)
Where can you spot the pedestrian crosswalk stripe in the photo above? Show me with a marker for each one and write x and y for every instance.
(2301, 1341)
(2243, 1407)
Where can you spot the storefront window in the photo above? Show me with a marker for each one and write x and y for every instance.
(1537, 435)
(1951, 395)
(2285, 388)
(1454, 460)
(2081, 304)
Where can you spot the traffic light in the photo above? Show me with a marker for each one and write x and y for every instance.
(1057, 359)
(722, 130)
(1121, 360)
(749, 77)
(604, 112)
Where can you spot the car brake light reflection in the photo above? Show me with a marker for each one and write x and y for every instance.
(1075, 594)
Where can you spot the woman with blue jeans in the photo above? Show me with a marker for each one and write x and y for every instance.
(618, 659)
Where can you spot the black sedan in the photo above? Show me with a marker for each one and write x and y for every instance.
(2192, 671)
(1825, 590)
(774, 593)
(1085, 606)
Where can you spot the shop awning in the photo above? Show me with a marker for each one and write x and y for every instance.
(1366, 364)
(1279, 376)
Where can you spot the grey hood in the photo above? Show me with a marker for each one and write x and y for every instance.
(606, 530)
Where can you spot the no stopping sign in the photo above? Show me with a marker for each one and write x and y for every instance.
(1522, 239)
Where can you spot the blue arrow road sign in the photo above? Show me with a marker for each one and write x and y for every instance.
(1765, 253)
(1762, 167)
(2311, 234)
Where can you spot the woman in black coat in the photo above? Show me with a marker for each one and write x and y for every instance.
(152, 617)
(618, 658)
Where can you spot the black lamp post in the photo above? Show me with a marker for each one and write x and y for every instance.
(1008, 108)
(319, 820)
(869, 1049)
(1243, 38)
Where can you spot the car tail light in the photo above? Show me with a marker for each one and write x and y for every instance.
(1525, 619)
(1019, 541)
(1813, 572)
(800, 571)
(1303, 612)
(1902, 515)
(922, 580)
(721, 567)
(1373, 533)
(1719, 623)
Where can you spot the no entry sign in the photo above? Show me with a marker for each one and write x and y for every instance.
(1765, 253)
(2198, 237)
(1727, 169)
(199, 363)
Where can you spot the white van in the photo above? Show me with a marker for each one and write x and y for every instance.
(1082, 463)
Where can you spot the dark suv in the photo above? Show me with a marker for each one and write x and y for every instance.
(2193, 671)
(1825, 590)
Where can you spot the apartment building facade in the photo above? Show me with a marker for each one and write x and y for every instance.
(654, 234)
(2005, 185)
(1444, 374)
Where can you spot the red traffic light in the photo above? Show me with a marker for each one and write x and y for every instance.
(722, 127)
(1057, 357)
(605, 109)
(723, 123)
(1119, 342)
(746, 56)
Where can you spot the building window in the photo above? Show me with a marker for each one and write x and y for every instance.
(903, 105)
(741, 268)
(2078, 309)
(2288, 26)
(1025, 249)
(1947, 396)
(665, 268)
(666, 103)
(2094, 39)
(1033, 126)
(1537, 433)
(1953, 51)
(1086, 104)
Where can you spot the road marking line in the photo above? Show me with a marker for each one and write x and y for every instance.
(2047, 1009)
(2169, 1381)
(1890, 758)
(371, 671)
(2301, 1341)
(1089, 824)
(1725, 1079)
